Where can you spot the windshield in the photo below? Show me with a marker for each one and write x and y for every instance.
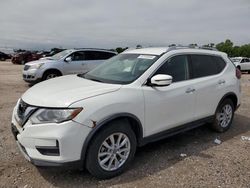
(121, 69)
(60, 55)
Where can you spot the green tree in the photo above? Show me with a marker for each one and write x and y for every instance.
(226, 47)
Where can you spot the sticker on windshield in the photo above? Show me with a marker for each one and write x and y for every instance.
(146, 57)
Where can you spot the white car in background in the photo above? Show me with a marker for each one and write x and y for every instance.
(242, 63)
(74, 61)
(98, 119)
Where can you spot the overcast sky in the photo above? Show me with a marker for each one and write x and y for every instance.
(111, 23)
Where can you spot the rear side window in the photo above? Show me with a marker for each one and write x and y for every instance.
(98, 55)
(105, 55)
(219, 62)
(206, 65)
(177, 67)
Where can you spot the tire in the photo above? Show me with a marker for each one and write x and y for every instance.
(3, 59)
(97, 147)
(223, 116)
(249, 72)
(50, 74)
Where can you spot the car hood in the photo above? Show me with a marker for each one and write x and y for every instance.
(65, 90)
(39, 61)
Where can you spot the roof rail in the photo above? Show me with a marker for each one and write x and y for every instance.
(191, 47)
(92, 49)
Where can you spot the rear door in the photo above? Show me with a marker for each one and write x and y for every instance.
(209, 83)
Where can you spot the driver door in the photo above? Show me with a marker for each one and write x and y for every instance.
(245, 64)
(170, 106)
(76, 65)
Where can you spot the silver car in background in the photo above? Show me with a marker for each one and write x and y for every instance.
(73, 61)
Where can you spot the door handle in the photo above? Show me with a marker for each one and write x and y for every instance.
(83, 64)
(220, 82)
(190, 90)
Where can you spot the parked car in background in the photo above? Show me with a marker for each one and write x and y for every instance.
(4, 56)
(24, 57)
(74, 61)
(242, 63)
(98, 119)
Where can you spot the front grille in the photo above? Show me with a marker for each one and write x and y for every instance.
(24, 111)
(26, 67)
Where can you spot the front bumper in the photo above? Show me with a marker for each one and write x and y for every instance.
(67, 137)
(32, 76)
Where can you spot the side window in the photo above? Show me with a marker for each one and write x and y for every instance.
(91, 55)
(78, 56)
(220, 63)
(177, 67)
(104, 55)
(246, 60)
(203, 65)
(98, 55)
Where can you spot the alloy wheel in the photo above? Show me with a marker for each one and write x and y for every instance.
(225, 115)
(114, 151)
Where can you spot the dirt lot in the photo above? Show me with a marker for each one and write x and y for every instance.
(156, 165)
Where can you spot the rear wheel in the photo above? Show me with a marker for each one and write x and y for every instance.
(224, 116)
(111, 150)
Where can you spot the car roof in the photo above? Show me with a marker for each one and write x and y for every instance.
(95, 49)
(149, 51)
(239, 57)
(162, 50)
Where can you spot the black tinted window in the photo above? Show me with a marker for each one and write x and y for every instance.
(203, 65)
(78, 56)
(220, 63)
(177, 67)
(98, 55)
(247, 60)
(105, 55)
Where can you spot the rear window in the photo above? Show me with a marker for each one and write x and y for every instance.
(206, 65)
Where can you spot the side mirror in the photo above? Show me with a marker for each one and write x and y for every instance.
(161, 80)
(68, 59)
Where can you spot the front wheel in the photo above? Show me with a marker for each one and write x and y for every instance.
(50, 74)
(111, 151)
(224, 116)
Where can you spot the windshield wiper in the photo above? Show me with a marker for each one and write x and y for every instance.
(96, 80)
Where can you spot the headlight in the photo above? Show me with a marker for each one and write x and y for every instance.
(36, 66)
(54, 115)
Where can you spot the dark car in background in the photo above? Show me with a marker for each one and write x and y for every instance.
(4, 56)
(24, 57)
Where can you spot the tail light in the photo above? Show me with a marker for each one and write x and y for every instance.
(238, 73)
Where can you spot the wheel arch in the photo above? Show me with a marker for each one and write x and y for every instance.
(133, 121)
(232, 96)
(52, 70)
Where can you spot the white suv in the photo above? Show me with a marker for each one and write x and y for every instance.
(98, 119)
(72, 61)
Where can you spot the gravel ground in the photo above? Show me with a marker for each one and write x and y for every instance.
(159, 164)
